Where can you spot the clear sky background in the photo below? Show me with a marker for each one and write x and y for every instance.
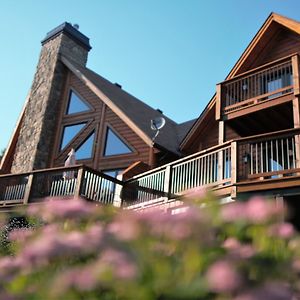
(168, 53)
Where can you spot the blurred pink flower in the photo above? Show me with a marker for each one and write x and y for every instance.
(222, 277)
(8, 267)
(231, 243)
(259, 210)
(237, 249)
(65, 209)
(125, 226)
(233, 212)
(20, 234)
(119, 263)
(283, 230)
(196, 193)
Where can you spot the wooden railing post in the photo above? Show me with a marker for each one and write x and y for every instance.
(296, 77)
(233, 162)
(234, 168)
(28, 189)
(80, 178)
(167, 183)
(218, 102)
(118, 192)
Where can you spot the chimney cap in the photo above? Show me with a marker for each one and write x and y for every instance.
(70, 31)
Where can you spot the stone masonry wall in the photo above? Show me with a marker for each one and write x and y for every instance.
(34, 146)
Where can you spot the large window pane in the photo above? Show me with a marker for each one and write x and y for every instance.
(85, 150)
(76, 104)
(114, 145)
(69, 133)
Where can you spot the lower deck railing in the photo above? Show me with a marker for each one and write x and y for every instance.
(59, 182)
(268, 156)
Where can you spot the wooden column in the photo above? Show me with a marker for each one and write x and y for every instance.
(99, 139)
(218, 102)
(296, 110)
(152, 160)
(296, 72)
(220, 153)
(118, 192)
(80, 177)
(167, 183)
(296, 116)
(28, 189)
(233, 162)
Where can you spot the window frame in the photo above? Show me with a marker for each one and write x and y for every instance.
(66, 114)
(107, 128)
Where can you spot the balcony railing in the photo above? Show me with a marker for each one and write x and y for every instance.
(266, 156)
(256, 86)
(269, 156)
(207, 168)
(59, 182)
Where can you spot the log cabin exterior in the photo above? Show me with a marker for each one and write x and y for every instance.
(253, 121)
(70, 106)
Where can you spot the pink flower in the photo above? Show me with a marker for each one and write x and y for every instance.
(119, 263)
(237, 249)
(125, 227)
(65, 209)
(196, 193)
(283, 230)
(233, 212)
(259, 210)
(222, 277)
(20, 234)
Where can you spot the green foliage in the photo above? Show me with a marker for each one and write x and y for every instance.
(83, 251)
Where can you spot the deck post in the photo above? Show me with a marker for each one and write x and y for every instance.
(28, 189)
(296, 116)
(167, 183)
(218, 102)
(80, 177)
(296, 77)
(220, 153)
(118, 191)
(233, 162)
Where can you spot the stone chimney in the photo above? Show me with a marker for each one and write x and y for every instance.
(39, 124)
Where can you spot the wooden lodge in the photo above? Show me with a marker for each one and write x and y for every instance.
(252, 147)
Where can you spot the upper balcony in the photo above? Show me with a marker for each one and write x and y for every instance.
(269, 85)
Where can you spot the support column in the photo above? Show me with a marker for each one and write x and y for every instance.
(220, 153)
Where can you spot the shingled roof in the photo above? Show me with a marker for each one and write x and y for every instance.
(139, 112)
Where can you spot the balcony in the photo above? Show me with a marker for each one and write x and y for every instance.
(66, 182)
(264, 162)
(268, 85)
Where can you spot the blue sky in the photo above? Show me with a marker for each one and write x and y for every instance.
(168, 53)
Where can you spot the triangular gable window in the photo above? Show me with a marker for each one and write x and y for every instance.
(85, 150)
(69, 133)
(76, 104)
(114, 145)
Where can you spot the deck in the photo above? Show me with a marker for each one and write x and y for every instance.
(261, 163)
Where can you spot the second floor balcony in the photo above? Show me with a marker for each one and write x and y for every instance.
(270, 84)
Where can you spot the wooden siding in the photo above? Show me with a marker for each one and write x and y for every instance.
(230, 134)
(277, 43)
(97, 119)
(285, 43)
